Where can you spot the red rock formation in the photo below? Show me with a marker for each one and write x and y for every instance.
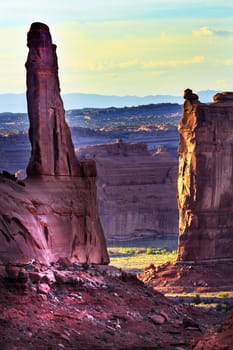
(52, 148)
(205, 180)
(55, 215)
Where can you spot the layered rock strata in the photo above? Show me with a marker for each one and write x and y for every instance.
(55, 214)
(205, 180)
(136, 190)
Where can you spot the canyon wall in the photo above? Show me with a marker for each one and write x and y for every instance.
(136, 190)
(205, 180)
(54, 212)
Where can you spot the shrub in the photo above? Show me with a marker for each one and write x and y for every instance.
(223, 294)
(149, 251)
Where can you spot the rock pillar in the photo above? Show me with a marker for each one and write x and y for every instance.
(205, 179)
(52, 148)
(55, 213)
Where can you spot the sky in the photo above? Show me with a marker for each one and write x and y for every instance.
(124, 47)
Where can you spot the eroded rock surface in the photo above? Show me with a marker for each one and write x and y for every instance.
(205, 180)
(136, 190)
(55, 214)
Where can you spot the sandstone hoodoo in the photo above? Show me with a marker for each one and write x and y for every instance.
(55, 214)
(52, 148)
(205, 180)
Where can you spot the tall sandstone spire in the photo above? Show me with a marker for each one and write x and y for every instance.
(55, 214)
(52, 149)
(205, 180)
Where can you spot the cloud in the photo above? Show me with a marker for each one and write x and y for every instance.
(135, 64)
(207, 32)
(227, 62)
(174, 63)
(203, 31)
(128, 64)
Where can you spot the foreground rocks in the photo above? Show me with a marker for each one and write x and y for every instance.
(136, 190)
(72, 306)
(205, 180)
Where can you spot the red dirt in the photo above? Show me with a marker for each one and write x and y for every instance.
(190, 277)
(108, 311)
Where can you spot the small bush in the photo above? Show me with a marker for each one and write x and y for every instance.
(149, 251)
(223, 294)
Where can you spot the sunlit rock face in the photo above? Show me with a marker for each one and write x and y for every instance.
(55, 214)
(205, 179)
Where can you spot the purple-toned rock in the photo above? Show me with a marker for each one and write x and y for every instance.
(52, 148)
(55, 215)
(43, 288)
(205, 180)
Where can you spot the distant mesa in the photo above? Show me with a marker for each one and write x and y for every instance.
(55, 215)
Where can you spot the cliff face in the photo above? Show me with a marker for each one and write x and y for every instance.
(136, 190)
(205, 180)
(55, 214)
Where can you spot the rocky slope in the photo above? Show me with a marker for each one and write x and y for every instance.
(68, 306)
(136, 190)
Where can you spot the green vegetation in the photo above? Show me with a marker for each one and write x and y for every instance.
(223, 294)
(135, 259)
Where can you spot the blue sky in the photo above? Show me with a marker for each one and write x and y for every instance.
(125, 47)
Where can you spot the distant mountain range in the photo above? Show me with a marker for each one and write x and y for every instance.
(16, 103)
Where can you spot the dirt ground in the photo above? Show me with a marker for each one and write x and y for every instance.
(96, 307)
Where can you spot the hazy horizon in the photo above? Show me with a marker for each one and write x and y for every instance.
(16, 103)
(149, 47)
